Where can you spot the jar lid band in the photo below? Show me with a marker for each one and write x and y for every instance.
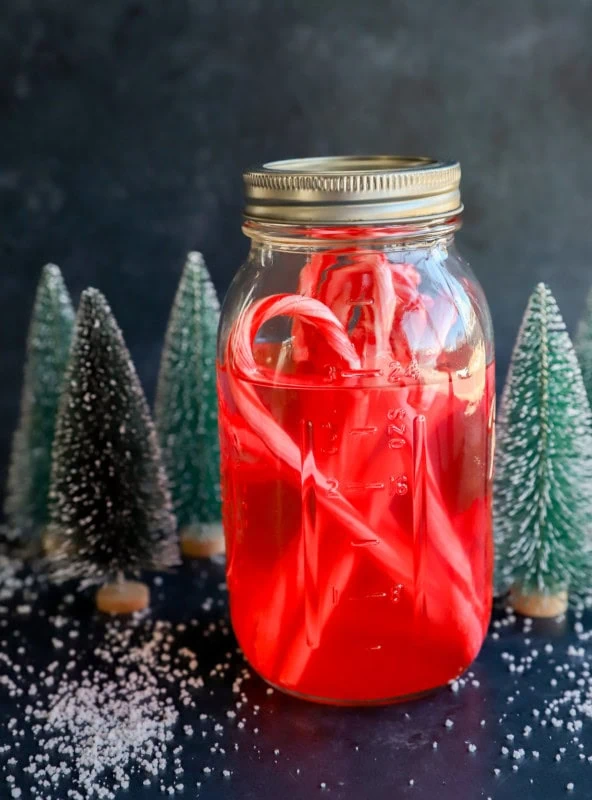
(353, 189)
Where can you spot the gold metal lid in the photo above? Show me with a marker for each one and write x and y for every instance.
(352, 190)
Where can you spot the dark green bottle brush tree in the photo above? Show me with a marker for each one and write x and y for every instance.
(109, 499)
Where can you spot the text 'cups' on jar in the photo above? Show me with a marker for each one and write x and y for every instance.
(356, 389)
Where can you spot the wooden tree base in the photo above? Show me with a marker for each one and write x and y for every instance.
(123, 597)
(49, 540)
(539, 605)
(202, 542)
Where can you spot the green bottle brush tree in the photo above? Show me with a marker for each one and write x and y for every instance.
(109, 500)
(187, 412)
(543, 480)
(48, 347)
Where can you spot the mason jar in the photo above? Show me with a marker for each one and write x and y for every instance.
(356, 392)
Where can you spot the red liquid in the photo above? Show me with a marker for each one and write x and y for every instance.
(359, 562)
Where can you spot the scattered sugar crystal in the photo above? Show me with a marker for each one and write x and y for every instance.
(97, 726)
(55, 701)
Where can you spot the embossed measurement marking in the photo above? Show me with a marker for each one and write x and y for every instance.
(331, 372)
(398, 371)
(365, 543)
(333, 487)
(363, 487)
(392, 594)
(398, 485)
(333, 490)
(363, 431)
(361, 373)
(396, 428)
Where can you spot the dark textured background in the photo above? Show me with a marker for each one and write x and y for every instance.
(124, 127)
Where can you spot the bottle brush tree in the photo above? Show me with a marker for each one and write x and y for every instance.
(187, 411)
(48, 347)
(109, 499)
(583, 345)
(543, 480)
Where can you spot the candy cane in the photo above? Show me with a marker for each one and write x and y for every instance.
(337, 285)
(240, 352)
(306, 309)
(397, 563)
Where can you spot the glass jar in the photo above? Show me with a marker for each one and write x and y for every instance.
(356, 391)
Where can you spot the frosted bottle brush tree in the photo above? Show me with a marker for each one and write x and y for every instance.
(48, 346)
(186, 410)
(109, 498)
(543, 481)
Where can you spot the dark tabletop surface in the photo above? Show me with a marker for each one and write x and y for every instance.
(301, 750)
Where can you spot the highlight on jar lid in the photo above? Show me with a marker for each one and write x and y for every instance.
(353, 189)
